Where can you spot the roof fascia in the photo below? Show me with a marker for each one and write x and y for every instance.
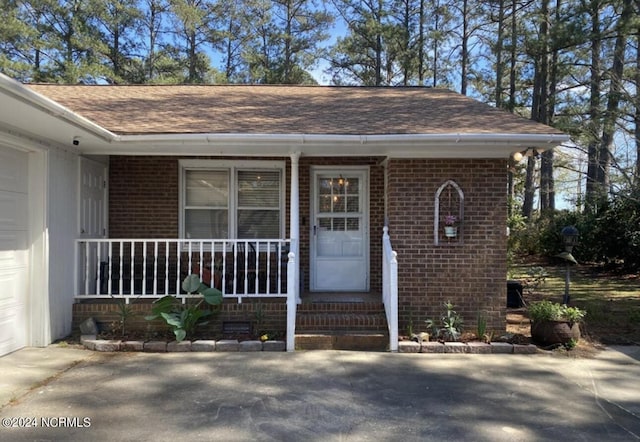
(22, 93)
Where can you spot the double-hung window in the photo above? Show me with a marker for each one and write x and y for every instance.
(232, 200)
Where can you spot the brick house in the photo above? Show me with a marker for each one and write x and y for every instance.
(277, 195)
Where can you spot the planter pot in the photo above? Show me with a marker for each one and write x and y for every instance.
(450, 231)
(554, 332)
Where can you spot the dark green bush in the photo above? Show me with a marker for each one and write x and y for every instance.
(610, 236)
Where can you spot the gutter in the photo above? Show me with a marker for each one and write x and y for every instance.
(20, 92)
(528, 140)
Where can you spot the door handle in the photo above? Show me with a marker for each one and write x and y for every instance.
(315, 228)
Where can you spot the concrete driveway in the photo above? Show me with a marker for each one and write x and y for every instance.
(334, 396)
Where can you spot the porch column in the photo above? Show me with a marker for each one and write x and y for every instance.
(294, 220)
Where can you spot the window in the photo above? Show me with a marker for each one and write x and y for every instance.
(258, 214)
(206, 210)
(239, 200)
(339, 203)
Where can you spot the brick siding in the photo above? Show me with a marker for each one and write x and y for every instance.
(143, 201)
(143, 197)
(469, 271)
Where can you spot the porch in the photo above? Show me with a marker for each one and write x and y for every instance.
(257, 275)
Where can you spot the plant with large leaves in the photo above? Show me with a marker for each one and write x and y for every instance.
(184, 317)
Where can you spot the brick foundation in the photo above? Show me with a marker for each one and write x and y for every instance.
(106, 314)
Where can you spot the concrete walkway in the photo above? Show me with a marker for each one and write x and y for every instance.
(329, 396)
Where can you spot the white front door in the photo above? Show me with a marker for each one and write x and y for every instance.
(339, 236)
(14, 249)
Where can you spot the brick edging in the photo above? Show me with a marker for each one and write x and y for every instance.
(470, 347)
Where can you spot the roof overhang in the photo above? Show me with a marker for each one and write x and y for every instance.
(28, 114)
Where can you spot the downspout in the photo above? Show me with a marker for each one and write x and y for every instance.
(294, 218)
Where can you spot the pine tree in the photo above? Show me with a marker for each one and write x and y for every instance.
(192, 21)
(19, 42)
(360, 56)
(118, 23)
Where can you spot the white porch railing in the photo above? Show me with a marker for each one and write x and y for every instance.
(152, 268)
(390, 288)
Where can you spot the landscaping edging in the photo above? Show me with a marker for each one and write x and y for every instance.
(233, 345)
(469, 347)
(224, 345)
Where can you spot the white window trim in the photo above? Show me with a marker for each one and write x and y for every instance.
(233, 166)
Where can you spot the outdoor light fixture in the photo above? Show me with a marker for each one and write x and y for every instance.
(569, 240)
(529, 151)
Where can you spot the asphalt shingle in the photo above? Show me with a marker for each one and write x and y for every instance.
(266, 109)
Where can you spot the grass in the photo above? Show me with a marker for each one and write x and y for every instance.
(612, 301)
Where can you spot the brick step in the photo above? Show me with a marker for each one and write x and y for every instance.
(341, 326)
(341, 307)
(307, 322)
(360, 341)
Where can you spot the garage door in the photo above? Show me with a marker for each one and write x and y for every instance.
(14, 249)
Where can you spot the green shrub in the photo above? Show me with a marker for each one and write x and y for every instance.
(183, 318)
(451, 324)
(612, 235)
(552, 311)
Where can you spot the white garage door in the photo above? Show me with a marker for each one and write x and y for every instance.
(14, 249)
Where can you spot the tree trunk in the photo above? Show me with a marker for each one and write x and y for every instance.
(421, 46)
(287, 46)
(513, 54)
(193, 63)
(499, 64)
(512, 99)
(593, 189)
(547, 202)
(465, 48)
(379, 46)
(637, 104)
(614, 97)
(228, 70)
(406, 44)
(436, 44)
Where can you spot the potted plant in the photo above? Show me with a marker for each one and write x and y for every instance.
(554, 323)
(450, 226)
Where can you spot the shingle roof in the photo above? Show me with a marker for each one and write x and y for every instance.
(265, 109)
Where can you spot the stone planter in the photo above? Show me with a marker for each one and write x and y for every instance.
(554, 332)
